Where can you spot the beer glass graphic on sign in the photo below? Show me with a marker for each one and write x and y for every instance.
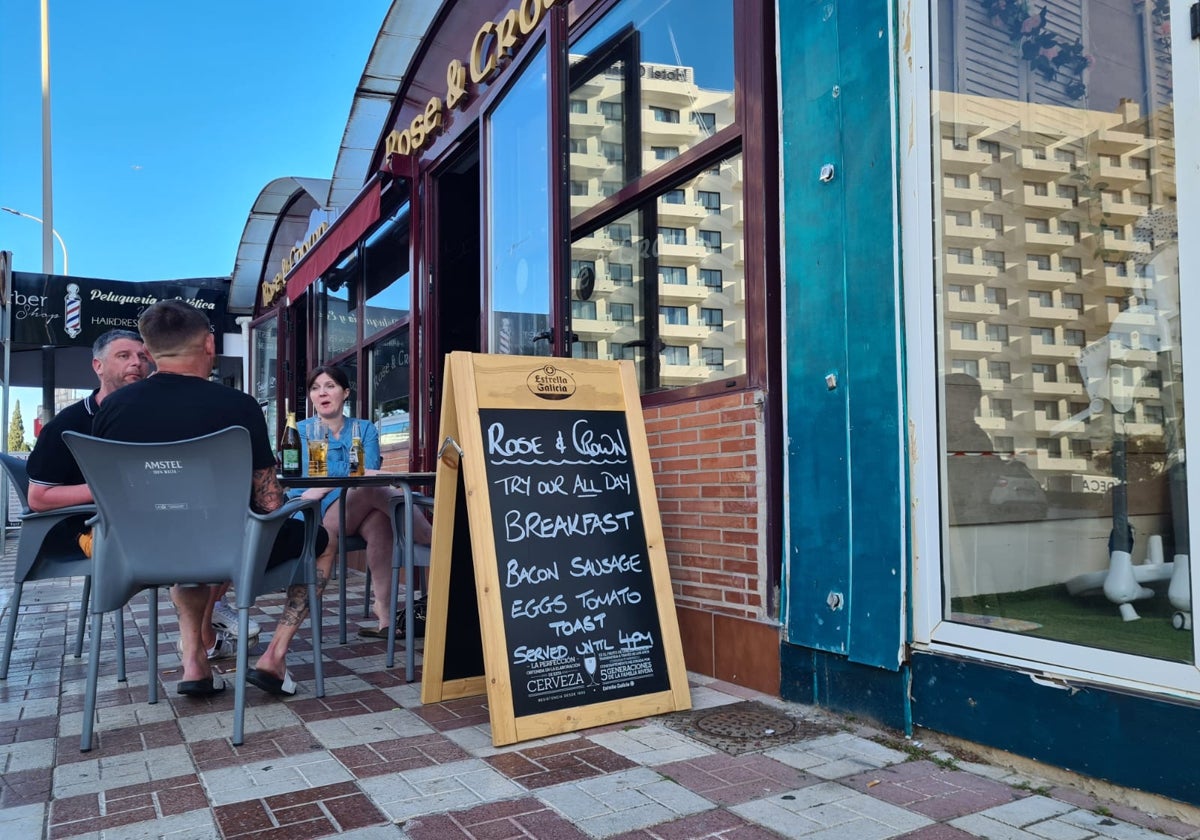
(316, 452)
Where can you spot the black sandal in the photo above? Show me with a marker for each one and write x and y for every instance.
(400, 624)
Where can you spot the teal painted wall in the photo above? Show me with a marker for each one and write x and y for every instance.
(844, 445)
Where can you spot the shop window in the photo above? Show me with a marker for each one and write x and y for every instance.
(644, 58)
(518, 216)
(389, 362)
(386, 278)
(620, 259)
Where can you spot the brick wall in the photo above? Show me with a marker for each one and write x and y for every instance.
(705, 456)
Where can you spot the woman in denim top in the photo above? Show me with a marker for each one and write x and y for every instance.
(368, 511)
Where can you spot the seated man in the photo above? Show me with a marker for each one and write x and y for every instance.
(177, 402)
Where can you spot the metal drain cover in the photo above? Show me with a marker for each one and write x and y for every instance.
(744, 727)
(740, 722)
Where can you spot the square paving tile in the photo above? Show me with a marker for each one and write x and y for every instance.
(399, 754)
(731, 780)
(936, 792)
(314, 812)
(122, 806)
(515, 818)
(455, 714)
(563, 761)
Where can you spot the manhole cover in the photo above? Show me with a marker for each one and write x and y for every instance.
(744, 723)
(744, 727)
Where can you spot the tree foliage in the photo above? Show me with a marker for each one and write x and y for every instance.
(16, 431)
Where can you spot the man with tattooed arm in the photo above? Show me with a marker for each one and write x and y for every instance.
(177, 402)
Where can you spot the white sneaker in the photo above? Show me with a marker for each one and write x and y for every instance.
(225, 617)
(223, 648)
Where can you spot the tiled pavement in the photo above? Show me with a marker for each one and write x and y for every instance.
(369, 761)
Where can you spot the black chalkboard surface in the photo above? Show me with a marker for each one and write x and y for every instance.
(545, 466)
(576, 591)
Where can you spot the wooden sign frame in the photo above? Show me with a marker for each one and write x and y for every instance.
(514, 386)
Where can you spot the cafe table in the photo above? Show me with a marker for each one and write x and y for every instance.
(405, 482)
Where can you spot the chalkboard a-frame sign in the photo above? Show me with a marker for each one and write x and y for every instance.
(572, 606)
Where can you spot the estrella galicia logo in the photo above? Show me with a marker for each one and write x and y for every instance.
(551, 383)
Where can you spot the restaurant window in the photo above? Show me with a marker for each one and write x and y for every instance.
(386, 280)
(390, 405)
(264, 369)
(677, 286)
(518, 215)
(337, 320)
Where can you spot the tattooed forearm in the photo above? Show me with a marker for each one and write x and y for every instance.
(266, 493)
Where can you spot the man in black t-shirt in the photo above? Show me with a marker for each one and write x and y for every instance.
(118, 358)
(178, 402)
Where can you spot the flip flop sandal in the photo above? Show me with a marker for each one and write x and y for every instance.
(271, 683)
(373, 632)
(215, 684)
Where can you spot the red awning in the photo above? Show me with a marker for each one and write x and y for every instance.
(344, 232)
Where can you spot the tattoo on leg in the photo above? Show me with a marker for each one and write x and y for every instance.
(297, 606)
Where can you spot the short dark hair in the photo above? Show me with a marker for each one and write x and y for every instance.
(334, 372)
(100, 345)
(171, 326)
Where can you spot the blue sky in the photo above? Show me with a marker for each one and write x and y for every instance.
(168, 119)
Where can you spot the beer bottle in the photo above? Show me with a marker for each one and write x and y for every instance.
(357, 458)
(289, 446)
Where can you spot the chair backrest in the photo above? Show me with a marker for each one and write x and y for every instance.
(174, 512)
(19, 476)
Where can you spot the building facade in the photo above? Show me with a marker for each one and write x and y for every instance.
(902, 287)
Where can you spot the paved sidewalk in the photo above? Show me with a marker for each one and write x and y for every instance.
(369, 761)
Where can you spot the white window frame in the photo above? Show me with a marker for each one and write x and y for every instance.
(1044, 660)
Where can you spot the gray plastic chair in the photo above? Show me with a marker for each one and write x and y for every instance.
(179, 513)
(46, 550)
(403, 549)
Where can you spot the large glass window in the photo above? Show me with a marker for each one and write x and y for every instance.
(387, 282)
(390, 407)
(264, 362)
(645, 65)
(1065, 498)
(337, 321)
(518, 217)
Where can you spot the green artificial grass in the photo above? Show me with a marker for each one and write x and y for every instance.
(1090, 620)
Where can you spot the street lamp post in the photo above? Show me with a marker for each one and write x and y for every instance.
(61, 244)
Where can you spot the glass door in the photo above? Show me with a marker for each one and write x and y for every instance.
(1054, 377)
